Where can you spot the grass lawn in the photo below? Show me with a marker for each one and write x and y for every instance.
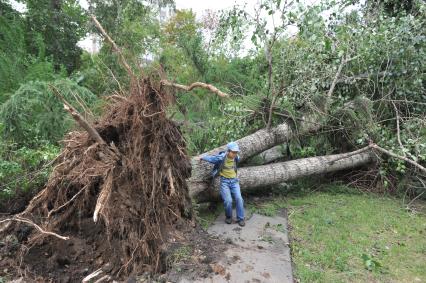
(339, 235)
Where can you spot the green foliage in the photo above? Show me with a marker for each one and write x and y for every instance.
(183, 37)
(12, 52)
(132, 24)
(96, 75)
(135, 27)
(60, 24)
(33, 111)
(23, 169)
(17, 63)
(36, 50)
(386, 72)
(341, 235)
(219, 130)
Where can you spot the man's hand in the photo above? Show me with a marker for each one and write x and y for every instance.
(198, 159)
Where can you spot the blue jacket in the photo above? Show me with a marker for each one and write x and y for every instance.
(218, 161)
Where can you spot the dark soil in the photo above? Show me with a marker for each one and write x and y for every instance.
(74, 259)
(17, 203)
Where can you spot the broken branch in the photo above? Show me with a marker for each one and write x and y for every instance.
(209, 87)
(385, 151)
(382, 150)
(333, 84)
(78, 118)
(114, 47)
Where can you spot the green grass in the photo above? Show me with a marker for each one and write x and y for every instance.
(179, 255)
(268, 208)
(343, 237)
(206, 214)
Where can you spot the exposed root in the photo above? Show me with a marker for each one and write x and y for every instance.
(132, 184)
(23, 220)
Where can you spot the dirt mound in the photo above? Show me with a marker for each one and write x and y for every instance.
(133, 185)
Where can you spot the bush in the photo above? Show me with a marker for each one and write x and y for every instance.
(33, 111)
(23, 169)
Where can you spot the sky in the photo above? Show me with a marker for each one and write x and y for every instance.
(198, 6)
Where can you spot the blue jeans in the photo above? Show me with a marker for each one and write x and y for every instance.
(230, 187)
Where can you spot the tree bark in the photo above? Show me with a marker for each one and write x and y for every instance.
(249, 145)
(260, 177)
(270, 155)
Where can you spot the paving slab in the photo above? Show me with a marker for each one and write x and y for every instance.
(259, 251)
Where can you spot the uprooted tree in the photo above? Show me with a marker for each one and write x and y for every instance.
(127, 173)
(124, 183)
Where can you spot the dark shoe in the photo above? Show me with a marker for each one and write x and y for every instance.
(241, 223)
(228, 220)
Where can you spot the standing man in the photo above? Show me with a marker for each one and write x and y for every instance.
(225, 165)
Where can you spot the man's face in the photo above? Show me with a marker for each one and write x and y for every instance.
(232, 154)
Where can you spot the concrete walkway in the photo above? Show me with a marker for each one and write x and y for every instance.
(260, 251)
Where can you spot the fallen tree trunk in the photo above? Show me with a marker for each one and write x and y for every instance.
(266, 175)
(271, 155)
(250, 145)
(255, 143)
(266, 138)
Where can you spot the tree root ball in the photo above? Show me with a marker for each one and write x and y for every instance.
(133, 185)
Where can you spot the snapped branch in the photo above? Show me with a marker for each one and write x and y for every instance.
(114, 46)
(209, 87)
(77, 117)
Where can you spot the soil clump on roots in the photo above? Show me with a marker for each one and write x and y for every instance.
(133, 185)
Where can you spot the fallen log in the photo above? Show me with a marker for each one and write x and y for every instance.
(273, 154)
(261, 177)
(266, 138)
(249, 145)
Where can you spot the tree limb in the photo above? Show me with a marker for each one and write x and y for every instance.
(78, 118)
(209, 87)
(385, 151)
(114, 46)
(350, 154)
(353, 79)
(382, 150)
(397, 128)
(333, 84)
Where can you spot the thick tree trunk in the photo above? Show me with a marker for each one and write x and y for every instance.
(249, 145)
(267, 175)
(253, 144)
(273, 154)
